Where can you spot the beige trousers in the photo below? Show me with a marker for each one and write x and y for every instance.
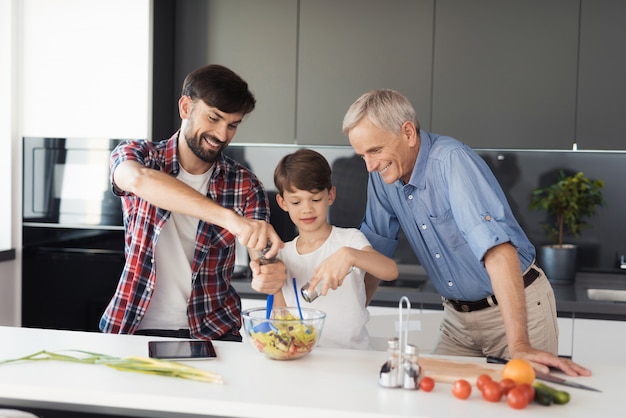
(481, 333)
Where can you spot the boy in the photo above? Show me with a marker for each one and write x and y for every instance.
(328, 257)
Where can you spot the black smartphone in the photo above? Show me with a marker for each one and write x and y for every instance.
(181, 350)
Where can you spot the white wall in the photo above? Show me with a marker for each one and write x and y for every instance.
(9, 286)
(6, 113)
(77, 68)
(85, 68)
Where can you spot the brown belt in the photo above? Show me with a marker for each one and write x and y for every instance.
(464, 306)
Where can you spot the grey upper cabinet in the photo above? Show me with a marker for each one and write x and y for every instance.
(258, 40)
(347, 47)
(505, 72)
(601, 122)
(531, 74)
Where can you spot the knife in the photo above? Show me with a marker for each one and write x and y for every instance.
(545, 376)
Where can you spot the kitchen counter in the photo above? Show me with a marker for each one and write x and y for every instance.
(328, 382)
(605, 300)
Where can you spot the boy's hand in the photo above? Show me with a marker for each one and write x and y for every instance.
(332, 271)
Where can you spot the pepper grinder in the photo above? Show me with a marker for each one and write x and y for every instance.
(264, 260)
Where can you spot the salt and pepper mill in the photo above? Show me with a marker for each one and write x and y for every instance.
(411, 370)
(389, 372)
(264, 260)
(401, 368)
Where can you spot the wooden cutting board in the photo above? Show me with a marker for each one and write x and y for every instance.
(447, 371)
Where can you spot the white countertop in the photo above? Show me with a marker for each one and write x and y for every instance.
(327, 381)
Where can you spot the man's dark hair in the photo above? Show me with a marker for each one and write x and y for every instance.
(304, 169)
(219, 87)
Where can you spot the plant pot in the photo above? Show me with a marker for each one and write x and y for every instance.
(559, 263)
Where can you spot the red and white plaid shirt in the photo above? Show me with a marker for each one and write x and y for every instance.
(214, 306)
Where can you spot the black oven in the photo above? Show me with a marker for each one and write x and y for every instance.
(73, 236)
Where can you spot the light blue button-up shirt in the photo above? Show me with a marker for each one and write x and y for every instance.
(452, 211)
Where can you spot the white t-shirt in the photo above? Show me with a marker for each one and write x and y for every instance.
(173, 257)
(346, 314)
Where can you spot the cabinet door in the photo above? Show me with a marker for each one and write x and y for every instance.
(602, 85)
(599, 342)
(566, 335)
(67, 290)
(257, 40)
(349, 47)
(423, 327)
(504, 73)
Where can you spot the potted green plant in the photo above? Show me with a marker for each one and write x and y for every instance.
(569, 202)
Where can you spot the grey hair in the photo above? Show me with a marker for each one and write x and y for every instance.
(386, 109)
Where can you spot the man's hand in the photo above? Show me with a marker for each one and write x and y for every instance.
(542, 361)
(268, 278)
(255, 234)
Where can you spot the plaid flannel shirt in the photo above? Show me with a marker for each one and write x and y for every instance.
(214, 306)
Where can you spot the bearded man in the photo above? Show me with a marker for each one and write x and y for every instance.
(185, 204)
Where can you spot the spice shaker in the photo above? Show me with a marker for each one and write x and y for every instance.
(389, 371)
(411, 370)
(309, 294)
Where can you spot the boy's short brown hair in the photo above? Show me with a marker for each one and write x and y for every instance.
(304, 169)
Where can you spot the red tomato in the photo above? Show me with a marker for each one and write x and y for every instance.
(506, 385)
(517, 398)
(461, 389)
(492, 391)
(427, 384)
(481, 380)
(528, 390)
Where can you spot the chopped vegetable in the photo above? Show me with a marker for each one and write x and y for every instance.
(290, 340)
(128, 364)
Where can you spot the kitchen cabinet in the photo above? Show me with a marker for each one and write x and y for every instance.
(349, 47)
(67, 290)
(504, 73)
(566, 336)
(258, 41)
(599, 342)
(69, 276)
(307, 66)
(600, 122)
(424, 329)
(493, 74)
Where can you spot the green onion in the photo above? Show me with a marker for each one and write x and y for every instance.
(128, 364)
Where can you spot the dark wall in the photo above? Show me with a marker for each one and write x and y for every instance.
(163, 97)
(518, 172)
(180, 46)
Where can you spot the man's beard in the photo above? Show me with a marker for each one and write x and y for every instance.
(195, 145)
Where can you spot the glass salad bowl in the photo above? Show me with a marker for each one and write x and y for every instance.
(284, 333)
